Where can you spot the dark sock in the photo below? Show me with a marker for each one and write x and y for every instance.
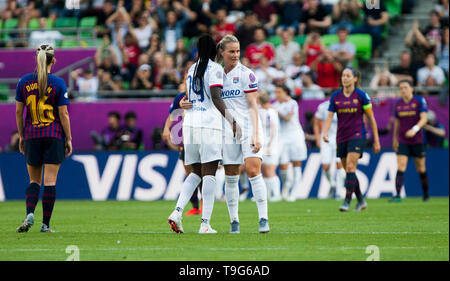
(358, 193)
(350, 185)
(32, 197)
(48, 201)
(424, 182)
(194, 199)
(399, 180)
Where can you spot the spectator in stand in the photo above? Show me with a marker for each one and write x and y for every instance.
(313, 47)
(260, 48)
(130, 53)
(328, 70)
(285, 52)
(87, 84)
(442, 51)
(118, 24)
(290, 12)
(181, 56)
(137, 7)
(314, 17)
(106, 59)
(295, 72)
(13, 145)
(442, 9)
(43, 36)
(110, 136)
(268, 76)
(144, 31)
(430, 75)
(102, 14)
(433, 31)
(131, 136)
(222, 27)
(157, 63)
(434, 131)
(418, 45)
(171, 77)
(375, 19)
(172, 28)
(236, 12)
(11, 10)
(154, 45)
(110, 83)
(267, 14)
(250, 23)
(310, 90)
(343, 51)
(405, 71)
(383, 79)
(142, 78)
(201, 17)
(345, 12)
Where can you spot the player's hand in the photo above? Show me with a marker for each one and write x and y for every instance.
(68, 148)
(185, 104)
(395, 145)
(237, 131)
(410, 133)
(325, 137)
(318, 142)
(21, 145)
(255, 144)
(376, 147)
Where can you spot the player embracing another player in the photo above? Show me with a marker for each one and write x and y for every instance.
(202, 132)
(350, 104)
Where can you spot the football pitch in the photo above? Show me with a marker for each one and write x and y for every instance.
(302, 230)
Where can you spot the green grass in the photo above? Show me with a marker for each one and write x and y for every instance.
(302, 230)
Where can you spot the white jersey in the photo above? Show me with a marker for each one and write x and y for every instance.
(321, 114)
(269, 117)
(291, 130)
(237, 83)
(203, 113)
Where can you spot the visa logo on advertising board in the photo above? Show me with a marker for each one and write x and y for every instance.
(159, 175)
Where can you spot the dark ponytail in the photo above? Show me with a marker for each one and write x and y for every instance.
(206, 51)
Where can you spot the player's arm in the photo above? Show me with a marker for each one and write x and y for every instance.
(317, 125)
(416, 128)
(19, 120)
(286, 117)
(373, 124)
(166, 130)
(65, 122)
(216, 95)
(327, 125)
(253, 110)
(395, 134)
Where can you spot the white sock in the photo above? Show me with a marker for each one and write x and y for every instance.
(220, 181)
(340, 182)
(297, 179)
(188, 188)
(232, 196)
(243, 180)
(273, 186)
(284, 178)
(208, 190)
(260, 194)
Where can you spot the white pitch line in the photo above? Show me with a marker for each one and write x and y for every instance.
(319, 232)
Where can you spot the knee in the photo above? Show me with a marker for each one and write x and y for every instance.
(253, 171)
(326, 167)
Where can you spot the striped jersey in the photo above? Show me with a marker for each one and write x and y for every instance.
(350, 112)
(408, 114)
(42, 115)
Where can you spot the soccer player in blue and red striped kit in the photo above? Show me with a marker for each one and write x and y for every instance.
(410, 117)
(44, 137)
(351, 103)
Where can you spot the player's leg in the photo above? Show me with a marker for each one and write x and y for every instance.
(421, 169)
(232, 194)
(49, 196)
(243, 182)
(340, 179)
(220, 180)
(297, 154)
(297, 168)
(272, 181)
(208, 192)
(284, 170)
(402, 161)
(259, 189)
(326, 158)
(194, 198)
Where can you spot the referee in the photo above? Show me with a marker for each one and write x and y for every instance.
(44, 135)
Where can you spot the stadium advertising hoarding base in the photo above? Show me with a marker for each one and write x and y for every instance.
(159, 175)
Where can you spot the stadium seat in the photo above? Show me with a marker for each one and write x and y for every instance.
(275, 40)
(300, 39)
(363, 44)
(4, 95)
(329, 39)
(9, 24)
(69, 43)
(393, 7)
(33, 23)
(50, 23)
(65, 23)
(88, 22)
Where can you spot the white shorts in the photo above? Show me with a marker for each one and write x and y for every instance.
(201, 145)
(271, 159)
(327, 152)
(235, 151)
(293, 151)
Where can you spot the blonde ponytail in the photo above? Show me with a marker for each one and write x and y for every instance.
(44, 57)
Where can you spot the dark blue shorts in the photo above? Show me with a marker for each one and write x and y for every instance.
(354, 145)
(44, 151)
(411, 150)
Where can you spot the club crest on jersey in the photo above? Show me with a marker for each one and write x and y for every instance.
(252, 77)
(355, 101)
(235, 80)
(413, 105)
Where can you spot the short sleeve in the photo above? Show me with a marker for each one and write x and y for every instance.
(63, 98)
(332, 107)
(176, 103)
(250, 82)
(423, 107)
(320, 112)
(395, 108)
(366, 101)
(215, 78)
(19, 93)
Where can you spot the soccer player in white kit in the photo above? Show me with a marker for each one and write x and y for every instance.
(292, 140)
(240, 94)
(271, 125)
(202, 133)
(328, 151)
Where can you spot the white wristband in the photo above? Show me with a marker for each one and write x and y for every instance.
(416, 128)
